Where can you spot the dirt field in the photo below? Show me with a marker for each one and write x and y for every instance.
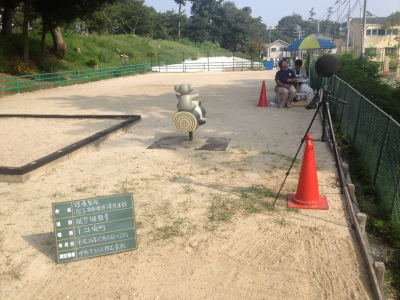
(206, 227)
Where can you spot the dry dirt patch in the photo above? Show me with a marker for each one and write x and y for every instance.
(206, 226)
(30, 138)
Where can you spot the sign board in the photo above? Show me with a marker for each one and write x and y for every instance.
(94, 227)
(386, 61)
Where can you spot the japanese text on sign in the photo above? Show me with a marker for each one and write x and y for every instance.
(94, 227)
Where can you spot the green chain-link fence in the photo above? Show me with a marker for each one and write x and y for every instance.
(375, 134)
(28, 83)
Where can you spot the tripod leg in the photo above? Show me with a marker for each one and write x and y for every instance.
(324, 114)
(298, 150)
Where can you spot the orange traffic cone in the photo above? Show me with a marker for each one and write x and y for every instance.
(307, 195)
(263, 97)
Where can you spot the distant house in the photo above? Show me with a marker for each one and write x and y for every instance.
(278, 51)
(378, 40)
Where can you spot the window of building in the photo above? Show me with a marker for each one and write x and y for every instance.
(370, 51)
(381, 31)
(273, 49)
(376, 32)
(283, 49)
(388, 50)
(392, 31)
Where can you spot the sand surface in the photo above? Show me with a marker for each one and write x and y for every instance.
(28, 139)
(205, 229)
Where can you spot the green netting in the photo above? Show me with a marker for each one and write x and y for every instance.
(375, 134)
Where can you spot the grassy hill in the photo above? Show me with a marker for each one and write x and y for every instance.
(104, 49)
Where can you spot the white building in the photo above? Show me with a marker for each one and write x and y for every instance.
(277, 51)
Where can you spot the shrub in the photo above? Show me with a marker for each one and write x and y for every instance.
(364, 75)
(19, 68)
(3, 61)
(92, 62)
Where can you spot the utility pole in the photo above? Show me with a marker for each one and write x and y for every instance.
(318, 27)
(269, 45)
(348, 29)
(363, 27)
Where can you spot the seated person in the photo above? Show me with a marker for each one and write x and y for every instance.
(284, 78)
(300, 72)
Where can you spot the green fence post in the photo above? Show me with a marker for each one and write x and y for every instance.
(120, 70)
(75, 76)
(101, 74)
(16, 80)
(357, 120)
(89, 75)
(130, 72)
(137, 69)
(379, 161)
(58, 76)
(40, 82)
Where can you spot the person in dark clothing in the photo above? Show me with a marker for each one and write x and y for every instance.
(284, 78)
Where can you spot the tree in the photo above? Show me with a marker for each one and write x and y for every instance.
(25, 29)
(180, 2)
(8, 12)
(254, 49)
(312, 14)
(55, 12)
(206, 9)
(133, 16)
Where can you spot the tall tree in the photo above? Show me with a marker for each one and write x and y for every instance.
(8, 12)
(180, 2)
(55, 12)
(25, 29)
(312, 14)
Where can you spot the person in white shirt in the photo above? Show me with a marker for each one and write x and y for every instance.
(298, 69)
(300, 72)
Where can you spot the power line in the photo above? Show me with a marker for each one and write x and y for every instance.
(335, 10)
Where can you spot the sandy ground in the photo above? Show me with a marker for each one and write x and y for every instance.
(206, 229)
(30, 139)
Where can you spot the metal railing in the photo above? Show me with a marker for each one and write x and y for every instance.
(27, 83)
(375, 134)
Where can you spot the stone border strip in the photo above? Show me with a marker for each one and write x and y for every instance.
(21, 174)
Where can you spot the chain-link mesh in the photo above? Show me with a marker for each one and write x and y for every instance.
(375, 134)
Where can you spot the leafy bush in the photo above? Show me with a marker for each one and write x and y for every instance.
(92, 62)
(363, 74)
(19, 68)
(3, 61)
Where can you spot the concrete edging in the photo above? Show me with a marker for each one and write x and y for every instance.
(46, 163)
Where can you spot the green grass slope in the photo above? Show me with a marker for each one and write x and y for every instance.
(104, 49)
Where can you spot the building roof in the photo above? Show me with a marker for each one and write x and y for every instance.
(378, 21)
(277, 41)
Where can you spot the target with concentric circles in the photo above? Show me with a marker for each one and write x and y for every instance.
(185, 121)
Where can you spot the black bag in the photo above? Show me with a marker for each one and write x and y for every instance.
(313, 103)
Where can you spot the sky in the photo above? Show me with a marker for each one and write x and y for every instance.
(281, 8)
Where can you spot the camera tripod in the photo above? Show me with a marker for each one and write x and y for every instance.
(327, 136)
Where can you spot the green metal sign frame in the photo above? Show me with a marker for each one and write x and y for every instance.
(94, 227)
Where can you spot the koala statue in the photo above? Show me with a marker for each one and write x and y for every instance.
(184, 97)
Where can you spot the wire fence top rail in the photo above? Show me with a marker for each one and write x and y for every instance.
(26, 83)
(376, 136)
